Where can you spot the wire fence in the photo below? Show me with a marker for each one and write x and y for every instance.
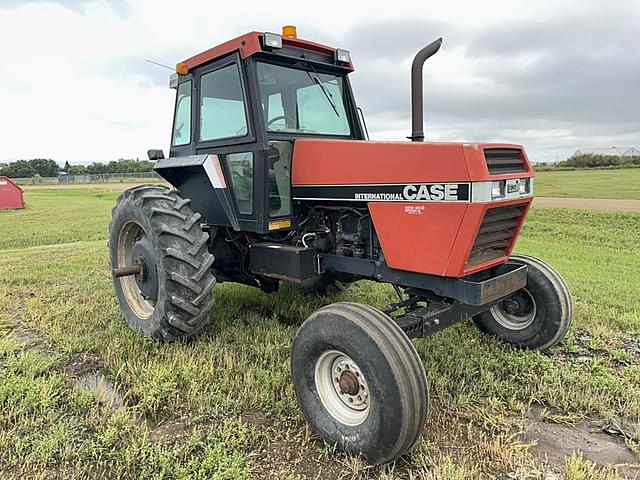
(85, 179)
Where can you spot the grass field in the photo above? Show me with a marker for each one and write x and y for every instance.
(621, 183)
(81, 396)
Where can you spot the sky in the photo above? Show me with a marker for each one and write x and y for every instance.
(554, 75)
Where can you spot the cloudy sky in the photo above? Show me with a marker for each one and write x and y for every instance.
(554, 75)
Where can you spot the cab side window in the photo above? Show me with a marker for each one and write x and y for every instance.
(222, 106)
(182, 121)
(241, 168)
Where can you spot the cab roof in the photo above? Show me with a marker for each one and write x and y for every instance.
(251, 43)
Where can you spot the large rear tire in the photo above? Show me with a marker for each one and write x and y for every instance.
(359, 381)
(537, 316)
(153, 225)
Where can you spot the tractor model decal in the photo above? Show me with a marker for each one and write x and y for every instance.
(415, 192)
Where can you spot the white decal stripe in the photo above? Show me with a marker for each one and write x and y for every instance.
(368, 200)
(214, 171)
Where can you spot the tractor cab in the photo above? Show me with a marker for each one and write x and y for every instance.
(239, 108)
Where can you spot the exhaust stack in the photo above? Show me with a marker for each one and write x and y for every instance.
(417, 121)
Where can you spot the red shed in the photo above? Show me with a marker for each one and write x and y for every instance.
(10, 194)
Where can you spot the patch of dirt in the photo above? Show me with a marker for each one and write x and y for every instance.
(589, 203)
(25, 337)
(280, 459)
(584, 349)
(632, 345)
(257, 419)
(170, 431)
(83, 371)
(86, 372)
(554, 442)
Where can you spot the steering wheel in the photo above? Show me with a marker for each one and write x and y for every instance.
(286, 118)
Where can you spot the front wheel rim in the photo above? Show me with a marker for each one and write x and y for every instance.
(518, 316)
(342, 388)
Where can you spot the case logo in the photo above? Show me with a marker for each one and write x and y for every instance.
(434, 191)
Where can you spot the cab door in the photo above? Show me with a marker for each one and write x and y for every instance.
(223, 125)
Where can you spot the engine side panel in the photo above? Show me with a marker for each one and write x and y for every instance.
(417, 236)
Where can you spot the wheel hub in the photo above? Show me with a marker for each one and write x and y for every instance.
(516, 312)
(349, 383)
(342, 388)
(147, 279)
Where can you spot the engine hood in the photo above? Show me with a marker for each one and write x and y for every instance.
(352, 162)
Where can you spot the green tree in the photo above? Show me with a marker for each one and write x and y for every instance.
(95, 168)
(45, 167)
(77, 170)
(18, 169)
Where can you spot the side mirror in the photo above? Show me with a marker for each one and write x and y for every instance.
(156, 154)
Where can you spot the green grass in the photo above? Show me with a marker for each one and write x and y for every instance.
(623, 183)
(57, 216)
(227, 396)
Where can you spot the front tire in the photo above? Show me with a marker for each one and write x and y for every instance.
(537, 316)
(359, 381)
(152, 224)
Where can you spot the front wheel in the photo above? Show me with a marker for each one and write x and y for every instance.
(359, 381)
(537, 316)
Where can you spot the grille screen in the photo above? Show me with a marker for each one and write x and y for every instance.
(504, 160)
(495, 235)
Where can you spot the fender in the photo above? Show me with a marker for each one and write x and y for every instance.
(206, 186)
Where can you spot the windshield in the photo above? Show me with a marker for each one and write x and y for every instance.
(302, 101)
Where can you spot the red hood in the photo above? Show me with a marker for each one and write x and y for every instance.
(334, 162)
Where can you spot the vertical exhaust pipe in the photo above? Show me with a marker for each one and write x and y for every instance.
(417, 121)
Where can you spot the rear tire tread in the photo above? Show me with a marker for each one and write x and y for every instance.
(182, 258)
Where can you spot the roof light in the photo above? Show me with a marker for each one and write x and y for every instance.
(343, 56)
(272, 40)
(289, 31)
(182, 68)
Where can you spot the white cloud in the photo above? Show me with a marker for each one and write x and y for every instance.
(74, 85)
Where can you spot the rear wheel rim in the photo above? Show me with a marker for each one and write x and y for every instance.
(342, 388)
(130, 234)
(516, 312)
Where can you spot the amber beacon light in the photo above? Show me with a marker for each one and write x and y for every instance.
(289, 31)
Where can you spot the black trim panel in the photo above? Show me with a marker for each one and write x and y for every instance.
(407, 192)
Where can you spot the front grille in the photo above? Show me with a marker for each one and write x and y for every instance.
(504, 160)
(496, 234)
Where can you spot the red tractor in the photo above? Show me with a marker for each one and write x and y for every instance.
(275, 181)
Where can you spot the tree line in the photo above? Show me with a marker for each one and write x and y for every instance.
(594, 161)
(45, 167)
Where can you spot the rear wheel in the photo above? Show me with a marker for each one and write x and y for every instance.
(537, 316)
(359, 381)
(154, 233)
